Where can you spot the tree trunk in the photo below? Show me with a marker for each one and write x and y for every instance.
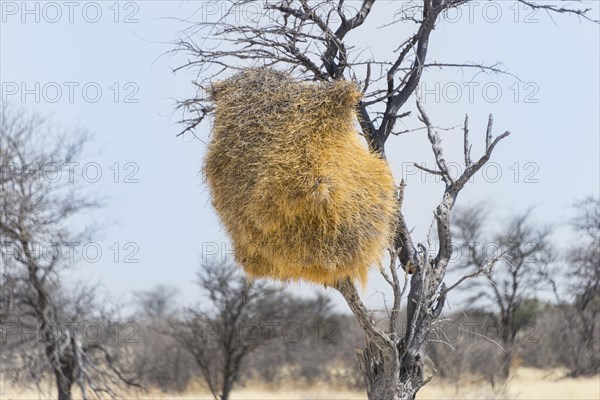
(63, 371)
(392, 369)
(506, 364)
(227, 387)
(63, 385)
(387, 377)
(507, 343)
(225, 393)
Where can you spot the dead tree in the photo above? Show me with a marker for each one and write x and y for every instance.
(310, 39)
(38, 212)
(508, 290)
(585, 261)
(234, 320)
(579, 305)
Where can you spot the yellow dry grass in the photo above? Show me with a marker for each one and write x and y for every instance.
(299, 194)
(526, 383)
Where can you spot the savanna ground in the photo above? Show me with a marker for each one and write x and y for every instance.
(526, 383)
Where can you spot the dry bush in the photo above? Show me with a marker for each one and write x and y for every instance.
(160, 362)
(558, 343)
(321, 349)
(459, 349)
(299, 194)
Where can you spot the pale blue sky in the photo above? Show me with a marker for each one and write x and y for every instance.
(554, 145)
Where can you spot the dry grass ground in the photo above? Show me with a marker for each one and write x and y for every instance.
(526, 383)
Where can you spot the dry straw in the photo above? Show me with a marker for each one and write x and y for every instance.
(298, 192)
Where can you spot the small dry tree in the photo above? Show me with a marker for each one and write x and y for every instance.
(579, 305)
(221, 335)
(510, 287)
(42, 318)
(585, 259)
(309, 39)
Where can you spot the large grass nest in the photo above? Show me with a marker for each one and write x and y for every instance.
(298, 192)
